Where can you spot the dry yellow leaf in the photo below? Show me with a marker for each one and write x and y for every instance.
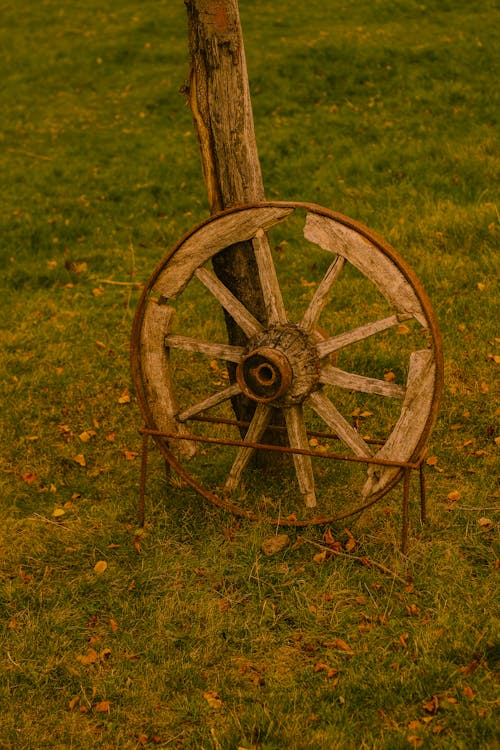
(103, 707)
(91, 657)
(130, 455)
(125, 397)
(57, 512)
(80, 459)
(320, 557)
(100, 567)
(389, 376)
(87, 435)
(486, 524)
(213, 698)
(454, 495)
(75, 699)
(402, 329)
(469, 693)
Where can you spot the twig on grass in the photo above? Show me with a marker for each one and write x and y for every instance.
(47, 520)
(363, 560)
(29, 153)
(120, 283)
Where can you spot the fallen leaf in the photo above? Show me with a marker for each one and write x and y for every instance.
(91, 657)
(213, 699)
(130, 455)
(389, 376)
(432, 461)
(113, 625)
(80, 459)
(29, 477)
(100, 567)
(486, 524)
(87, 435)
(75, 699)
(412, 609)
(469, 693)
(125, 397)
(103, 707)
(453, 496)
(432, 706)
(470, 668)
(275, 543)
(402, 330)
(350, 544)
(340, 644)
(320, 557)
(58, 512)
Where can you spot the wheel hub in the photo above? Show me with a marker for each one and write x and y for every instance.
(280, 366)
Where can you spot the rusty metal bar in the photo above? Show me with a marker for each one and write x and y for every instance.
(406, 510)
(142, 484)
(423, 492)
(276, 428)
(281, 449)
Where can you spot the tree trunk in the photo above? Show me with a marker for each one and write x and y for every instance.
(219, 98)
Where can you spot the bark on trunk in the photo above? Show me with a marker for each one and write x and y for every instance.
(219, 98)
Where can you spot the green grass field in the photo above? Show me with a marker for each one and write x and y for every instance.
(184, 633)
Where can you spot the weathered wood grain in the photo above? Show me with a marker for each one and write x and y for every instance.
(210, 239)
(258, 426)
(269, 283)
(236, 310)
(297, 436)
(156, 375)
(217, 351)
(208, 403)
(334, 419)
(405, 437)
(358, 250)
(334, 343)
(320, 297)
(353, 382)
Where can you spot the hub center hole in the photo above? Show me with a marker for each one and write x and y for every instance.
(265, 374)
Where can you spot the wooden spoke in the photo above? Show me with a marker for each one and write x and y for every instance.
(246, 321)
(211, 401)
(334, 419)
(157, 375)
(256, 429)
(218, 351)
(273, 299)
(353, 382)
(320, 297)
(334, 343)
(297, 437)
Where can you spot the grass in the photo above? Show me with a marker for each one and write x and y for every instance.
(192, 637)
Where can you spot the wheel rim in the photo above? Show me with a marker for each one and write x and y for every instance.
(287, 363)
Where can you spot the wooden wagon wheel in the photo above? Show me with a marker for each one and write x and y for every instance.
(312, 358)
